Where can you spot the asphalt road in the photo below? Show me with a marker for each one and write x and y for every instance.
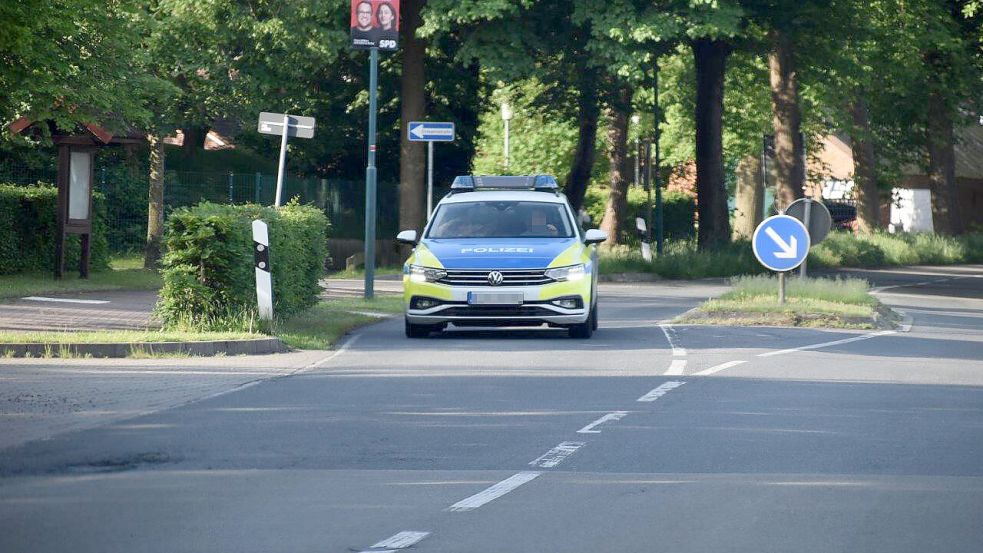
(644, 438)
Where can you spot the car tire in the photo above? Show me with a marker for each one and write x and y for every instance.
(585, 329)
(417, 331)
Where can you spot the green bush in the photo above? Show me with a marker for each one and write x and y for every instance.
(680, 259)
(28, 225)
(678, 210)
(209, 279)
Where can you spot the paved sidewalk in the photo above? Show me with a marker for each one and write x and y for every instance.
(40, 398)
(116, 310)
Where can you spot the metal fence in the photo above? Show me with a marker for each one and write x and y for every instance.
(125, 188)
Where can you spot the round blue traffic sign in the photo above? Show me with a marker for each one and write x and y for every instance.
(781, 243)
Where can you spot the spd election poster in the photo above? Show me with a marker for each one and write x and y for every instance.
(375, 24)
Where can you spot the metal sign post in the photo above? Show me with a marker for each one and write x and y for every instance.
(370, 179)
(430, 132)
(284, 125)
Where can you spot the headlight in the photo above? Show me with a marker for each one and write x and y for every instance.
(419, 273)
(573, 273)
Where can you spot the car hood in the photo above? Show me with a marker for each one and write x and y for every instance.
(517, 253)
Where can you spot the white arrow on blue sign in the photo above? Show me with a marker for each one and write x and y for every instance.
(426, 131)
(781, 243)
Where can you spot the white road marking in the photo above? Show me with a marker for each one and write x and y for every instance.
(669, 331)
(494, 492)
(718, 368)
(64, 300)
(401, 540)
(344, 347)
(676, 367)
(615, 416)
(661, 391)
(827, 344)
(556, 455)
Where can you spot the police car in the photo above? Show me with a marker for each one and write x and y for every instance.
(502, 251)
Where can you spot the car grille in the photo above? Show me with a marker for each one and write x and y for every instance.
(496, 311)
(531, 277)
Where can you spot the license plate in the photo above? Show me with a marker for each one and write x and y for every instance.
(485, 298)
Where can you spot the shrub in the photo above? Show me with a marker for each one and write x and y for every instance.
(678, 210)
(209, 279)
(842, 249)
(680, 259)
(28, 224)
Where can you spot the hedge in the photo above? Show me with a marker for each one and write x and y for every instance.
(209, 279)
(678, 209)
(28, 225)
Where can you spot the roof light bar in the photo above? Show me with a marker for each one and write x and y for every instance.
(497, 182)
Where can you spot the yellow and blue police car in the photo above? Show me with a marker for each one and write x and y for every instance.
(502, 251)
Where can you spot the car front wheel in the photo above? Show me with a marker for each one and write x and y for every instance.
(417, 331)
(585, 329)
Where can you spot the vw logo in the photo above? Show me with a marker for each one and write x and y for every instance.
(495, 278)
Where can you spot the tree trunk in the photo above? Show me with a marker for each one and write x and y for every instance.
(787, 121)
(711, 193)
(616, 210)
(584, 155)
(155, 205)
(942, 167)
(412, 155)
(750, 196)
(864, 169)
(194, 139)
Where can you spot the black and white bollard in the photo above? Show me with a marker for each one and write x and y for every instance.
(261, 260)
(643, 237)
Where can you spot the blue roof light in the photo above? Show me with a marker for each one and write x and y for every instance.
(510, 182)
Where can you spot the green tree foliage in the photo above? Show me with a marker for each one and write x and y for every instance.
(74, 60)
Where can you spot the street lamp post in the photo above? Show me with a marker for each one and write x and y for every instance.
(638, 144)
(506, 117)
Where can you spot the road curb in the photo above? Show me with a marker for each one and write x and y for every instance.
(127, 349)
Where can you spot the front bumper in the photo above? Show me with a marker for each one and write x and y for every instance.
(536, 308)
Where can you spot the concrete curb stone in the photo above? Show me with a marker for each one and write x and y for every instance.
(126, 349)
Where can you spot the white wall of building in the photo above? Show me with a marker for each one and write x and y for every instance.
(911, 210)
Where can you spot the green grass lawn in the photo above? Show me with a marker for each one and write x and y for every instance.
(360, 273)
(814, 302)
(126, 273)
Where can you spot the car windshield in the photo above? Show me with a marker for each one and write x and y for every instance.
(508, 219)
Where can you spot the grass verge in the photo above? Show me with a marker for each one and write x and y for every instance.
(360, 273)
(127, 274)
(316, 328)
(814, 302)
(320, 326)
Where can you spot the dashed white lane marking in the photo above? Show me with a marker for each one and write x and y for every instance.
(401, 540)
(556, 455)
(615, 416)
(676, 368)
(494, 492)
(827, 344)
(64, 300)
(718, 368)
(669, 331)
(662, 390)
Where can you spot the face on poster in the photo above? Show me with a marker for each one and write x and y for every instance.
(375, 24)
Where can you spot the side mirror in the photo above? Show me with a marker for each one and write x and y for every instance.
(407, 237)
(595, 236)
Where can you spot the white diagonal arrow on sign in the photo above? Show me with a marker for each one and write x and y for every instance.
(789, 248)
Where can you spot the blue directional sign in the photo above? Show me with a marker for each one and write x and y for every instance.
(781, 243)
(426, 131)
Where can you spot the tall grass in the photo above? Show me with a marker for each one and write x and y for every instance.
(681, 259)
(838, 290)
